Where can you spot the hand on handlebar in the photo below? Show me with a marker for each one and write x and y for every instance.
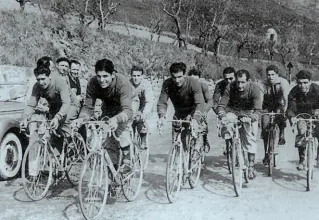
(54, 124)
(245, 119)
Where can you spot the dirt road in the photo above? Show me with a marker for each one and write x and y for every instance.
(280, 197)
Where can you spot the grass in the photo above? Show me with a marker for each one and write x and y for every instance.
(27, 37)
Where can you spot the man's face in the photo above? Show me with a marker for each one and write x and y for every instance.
(137, 77)
(104, 78)
(272, 76)
(178, 78)
(242, 83)
(304, 85)
(43, 80)
(229, 77)
(75, 69)
(63, 68)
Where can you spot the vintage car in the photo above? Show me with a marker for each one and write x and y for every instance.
(12, 141)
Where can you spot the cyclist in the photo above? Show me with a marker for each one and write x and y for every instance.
(63, 106)
(75, 68)
(209, 104)
(144, 101)
(242, 97)
(229, 76)
(303, 98)
(276, 91)
(116, 92)
(185, 94)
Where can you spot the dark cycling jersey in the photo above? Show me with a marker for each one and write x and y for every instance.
(117, 98)
(207, 97)
(187, 100)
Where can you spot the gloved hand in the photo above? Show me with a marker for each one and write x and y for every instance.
(113, 123)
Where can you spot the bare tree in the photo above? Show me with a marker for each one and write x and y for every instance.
(22, 4)
(157, 23)
(173, 9)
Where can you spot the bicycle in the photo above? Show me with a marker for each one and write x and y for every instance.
(184, 163)
(237, 157)
(137, 140)
(311, 151)
(98, 170)
(272, 141)
(41, 163)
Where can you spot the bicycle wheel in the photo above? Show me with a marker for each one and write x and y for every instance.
(132, 181)
(272, 137)
(310, 162)
(37, 170)
(145, 152)
(174, 172)
(75, 159)
(194, 164)
(228, 155)
(93, 186)
(237, 167)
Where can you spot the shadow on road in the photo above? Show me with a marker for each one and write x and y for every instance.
(153, 158)
(156, 189)
(20, 196)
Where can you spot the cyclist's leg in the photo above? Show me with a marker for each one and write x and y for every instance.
(280, 120)
(248, 135)
(300, 143)
(316, 135)
(123, 133)
(205, 135)
(142, 129)
(264, 133)
(72, 114)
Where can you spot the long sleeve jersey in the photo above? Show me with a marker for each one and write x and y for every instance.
(299, 102)
(145, 96)
(187, 99)
(116, 98)
(219, 92)
(207, 97)
(58, 95)
(249, 100)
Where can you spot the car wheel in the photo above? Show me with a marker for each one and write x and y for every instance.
(10, 156)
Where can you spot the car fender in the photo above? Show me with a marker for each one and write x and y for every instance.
(7, 124)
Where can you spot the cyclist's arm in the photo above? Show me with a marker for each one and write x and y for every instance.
(91, 94)
(257, 95)
(64, 91)
(221, 108)
(126, 91)
(292, 105)
(208, 97)
(162, 100)
(198, 100)
(32, 102)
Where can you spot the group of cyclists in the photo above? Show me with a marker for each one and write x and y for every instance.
(128, 102)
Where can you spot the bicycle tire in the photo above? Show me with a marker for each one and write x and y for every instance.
(97, 178)
(136, 168)
(237, 168)
(228, 155)
(174, 153)
(79, 154)
(195, 160)
(145, 153)
(310, 157)
(46, 162)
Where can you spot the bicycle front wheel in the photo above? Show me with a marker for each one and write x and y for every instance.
(93, 186)
(132, 181)
(37, 170)
(310, 163)
(195, 163)
(174, 172)
(145, 152)
(237, 167)
(75, 159)
(272, 142)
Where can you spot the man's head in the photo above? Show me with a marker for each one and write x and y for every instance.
(194, 73)
(42, 74)
(177, 71)
(75, 67)
(272, 72)
(137, 74)
(242, 79)
(63, 65)
(104, 70)
(46, 61)
(304, 80)
(229, 74)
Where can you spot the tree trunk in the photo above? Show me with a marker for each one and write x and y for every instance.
(22, 5)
